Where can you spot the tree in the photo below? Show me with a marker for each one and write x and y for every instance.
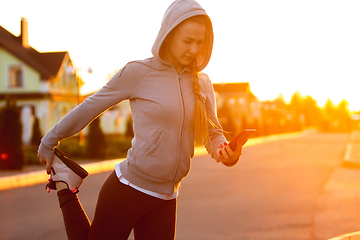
(96, 144)
(11, 146)
(36, 134)
(129, 127)
(312, 112)
(343, 116)
(296, 106)
(329, 109)
(296, 103)
(280, 99)
(329, 123)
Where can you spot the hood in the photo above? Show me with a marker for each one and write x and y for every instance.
(179, 11)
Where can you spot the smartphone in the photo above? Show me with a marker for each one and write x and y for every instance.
(243, 137)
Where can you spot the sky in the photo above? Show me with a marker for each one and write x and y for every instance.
(278, 46)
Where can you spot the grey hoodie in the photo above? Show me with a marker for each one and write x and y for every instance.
(162, 104)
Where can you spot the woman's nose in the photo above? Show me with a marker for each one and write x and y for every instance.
(194, 49)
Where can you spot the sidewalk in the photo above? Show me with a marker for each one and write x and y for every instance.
(32, 175)
(351, 160)
(352, 154)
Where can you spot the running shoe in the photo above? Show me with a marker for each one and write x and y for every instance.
(63, 169)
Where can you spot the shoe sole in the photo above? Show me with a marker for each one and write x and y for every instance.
(76, 168)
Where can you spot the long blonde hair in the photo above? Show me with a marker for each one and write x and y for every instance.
(201, 119)
(200, 115)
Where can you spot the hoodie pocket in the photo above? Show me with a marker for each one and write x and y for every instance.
(159, 158)
(153, 143)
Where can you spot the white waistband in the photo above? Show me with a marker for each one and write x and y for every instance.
(163, 196)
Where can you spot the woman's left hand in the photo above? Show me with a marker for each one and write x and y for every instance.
(227, 155)
(46, 161)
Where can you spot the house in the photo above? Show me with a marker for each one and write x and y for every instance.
(114, 121)
(44, 84)
(237, 107)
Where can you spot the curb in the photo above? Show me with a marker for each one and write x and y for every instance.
(36, 177)
(352, 160)
(349, 236)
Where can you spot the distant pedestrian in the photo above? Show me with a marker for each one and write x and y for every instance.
(173, 107)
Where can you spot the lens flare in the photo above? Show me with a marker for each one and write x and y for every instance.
(4, 156)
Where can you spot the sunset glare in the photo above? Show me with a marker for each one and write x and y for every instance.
(279, 47)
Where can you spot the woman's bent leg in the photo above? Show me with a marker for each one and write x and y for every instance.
(114, 218)
(159, 223)
(77, 224)
(120, 208)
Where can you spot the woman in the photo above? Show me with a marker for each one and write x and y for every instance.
(173, 106)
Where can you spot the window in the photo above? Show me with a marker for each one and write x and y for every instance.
(15, 76)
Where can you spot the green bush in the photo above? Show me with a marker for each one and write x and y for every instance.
(96, 144)
(36, 134)
(30, 155)
(73, 148)
(117, 147)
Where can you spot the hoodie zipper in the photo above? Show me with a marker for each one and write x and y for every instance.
(182, 125)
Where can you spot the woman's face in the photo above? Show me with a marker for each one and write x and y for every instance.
(184, 44)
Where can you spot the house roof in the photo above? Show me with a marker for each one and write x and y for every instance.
(232, 87)
(47, 64)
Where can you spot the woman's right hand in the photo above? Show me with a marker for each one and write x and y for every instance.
(46, 161)
(227, 156)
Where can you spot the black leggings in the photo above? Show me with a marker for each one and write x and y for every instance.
(119, 209)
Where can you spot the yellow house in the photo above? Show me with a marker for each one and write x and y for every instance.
(43, 84)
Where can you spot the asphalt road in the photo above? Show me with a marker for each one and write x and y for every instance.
(288, 189)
